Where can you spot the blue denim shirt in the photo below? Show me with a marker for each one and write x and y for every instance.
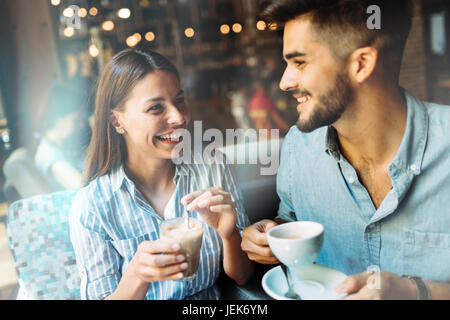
(410, 232)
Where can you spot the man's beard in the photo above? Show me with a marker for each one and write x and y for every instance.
(330, 107)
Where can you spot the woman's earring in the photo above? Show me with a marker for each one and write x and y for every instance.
(121, 131)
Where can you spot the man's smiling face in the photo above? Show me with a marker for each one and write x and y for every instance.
(316, 79)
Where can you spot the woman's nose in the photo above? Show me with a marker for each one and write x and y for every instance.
(289, 80)
(175, 116)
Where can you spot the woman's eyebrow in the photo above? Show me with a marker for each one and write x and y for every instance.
(154, 100)
(159, 99)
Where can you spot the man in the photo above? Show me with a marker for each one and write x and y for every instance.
(366, 159)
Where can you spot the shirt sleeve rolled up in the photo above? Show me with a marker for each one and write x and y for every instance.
(97, 260)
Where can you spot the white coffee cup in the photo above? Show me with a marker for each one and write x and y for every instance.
(296, 244)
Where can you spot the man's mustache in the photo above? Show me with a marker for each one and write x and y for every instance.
(299, 93)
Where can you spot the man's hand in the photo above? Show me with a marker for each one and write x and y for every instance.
(377, 286)
(254, 242)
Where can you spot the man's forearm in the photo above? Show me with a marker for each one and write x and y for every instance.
(439, 290)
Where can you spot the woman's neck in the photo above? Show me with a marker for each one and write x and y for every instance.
(152, 175)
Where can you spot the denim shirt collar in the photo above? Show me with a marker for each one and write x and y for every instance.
(331, 144)
(410, 154)
(412, 149)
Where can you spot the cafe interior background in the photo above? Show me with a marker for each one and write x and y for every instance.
(219, 47)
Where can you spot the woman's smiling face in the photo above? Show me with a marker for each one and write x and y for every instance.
(153, 110)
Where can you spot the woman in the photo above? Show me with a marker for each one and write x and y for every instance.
(134, 185)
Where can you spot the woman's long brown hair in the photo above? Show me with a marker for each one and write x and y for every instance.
(107, 149)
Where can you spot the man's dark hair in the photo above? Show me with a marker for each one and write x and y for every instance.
(342, 24)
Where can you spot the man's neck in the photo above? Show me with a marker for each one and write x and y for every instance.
(372, 130)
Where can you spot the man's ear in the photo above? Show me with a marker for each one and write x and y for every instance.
(363, 62)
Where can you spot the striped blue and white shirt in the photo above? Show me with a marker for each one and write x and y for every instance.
(110, 218)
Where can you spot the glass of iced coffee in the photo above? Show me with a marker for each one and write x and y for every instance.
(189, 237)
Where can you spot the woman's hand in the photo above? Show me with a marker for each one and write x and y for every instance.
(216, 207)
(157, 261)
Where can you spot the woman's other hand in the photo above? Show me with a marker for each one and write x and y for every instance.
(158, 261)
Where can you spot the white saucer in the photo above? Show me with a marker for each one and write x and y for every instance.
(318, 285)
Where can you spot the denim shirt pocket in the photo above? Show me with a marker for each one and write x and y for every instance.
(427, 254)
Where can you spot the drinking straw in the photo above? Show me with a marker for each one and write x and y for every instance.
(186, 212)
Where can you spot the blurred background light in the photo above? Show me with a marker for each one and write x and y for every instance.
(108, 25)
(93, 11)
(225, 29)
(189, 32)
(237, 27)
(82, 13)
(150, 36)
(68, 12)
(132, 41)
(138, 37)
(261, 25)
(69, 32)
(124, 13)
(93, 51)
